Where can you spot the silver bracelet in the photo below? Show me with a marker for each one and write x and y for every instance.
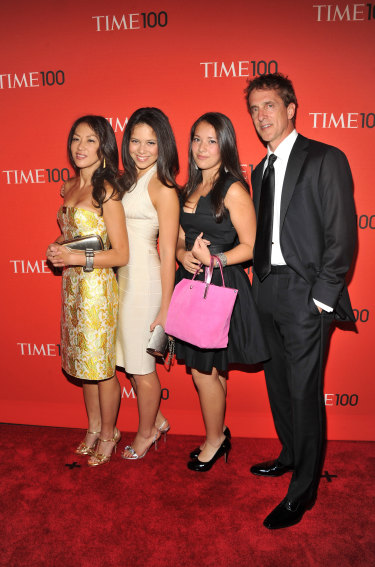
(89, 253)
(223, 259)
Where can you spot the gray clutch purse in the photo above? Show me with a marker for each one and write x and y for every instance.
(158, 343)
(89, 242)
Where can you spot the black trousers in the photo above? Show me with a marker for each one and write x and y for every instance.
(297, 335)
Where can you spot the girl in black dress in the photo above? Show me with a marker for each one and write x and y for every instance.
(218, 217)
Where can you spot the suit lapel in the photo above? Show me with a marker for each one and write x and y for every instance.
(257, 183)
(296, 160)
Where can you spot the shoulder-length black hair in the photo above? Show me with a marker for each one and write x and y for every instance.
(167, 162)
(230, 164)
(108, 155)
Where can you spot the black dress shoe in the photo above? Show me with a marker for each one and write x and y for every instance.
(286, 514)
(194, 454)
(270, 468)
(200, 466)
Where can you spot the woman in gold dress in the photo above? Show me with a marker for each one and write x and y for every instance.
(89, 287)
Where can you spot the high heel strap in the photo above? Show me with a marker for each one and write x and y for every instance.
(134, 456)
(101, 458)
(113, 439)
(85, 449)
(164, 430)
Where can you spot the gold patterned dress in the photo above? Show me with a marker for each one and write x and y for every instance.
(89, 305)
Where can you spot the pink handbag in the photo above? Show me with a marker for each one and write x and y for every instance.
(199, 312)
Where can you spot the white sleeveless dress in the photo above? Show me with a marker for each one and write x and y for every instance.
(139, 281)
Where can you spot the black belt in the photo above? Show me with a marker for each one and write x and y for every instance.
(281, 270)
(213, 248)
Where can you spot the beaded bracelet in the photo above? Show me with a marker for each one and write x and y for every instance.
(223, 259)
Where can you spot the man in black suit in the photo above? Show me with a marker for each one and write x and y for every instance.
(306, 235)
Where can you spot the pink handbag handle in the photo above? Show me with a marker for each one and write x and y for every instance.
(208, 273)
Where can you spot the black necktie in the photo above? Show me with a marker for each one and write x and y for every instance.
(263, 240)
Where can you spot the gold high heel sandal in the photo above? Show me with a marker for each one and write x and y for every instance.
(134, 456)
(83, 448)
(99, 458)
(164, 430)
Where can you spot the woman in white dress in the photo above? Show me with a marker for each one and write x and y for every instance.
(146, 284)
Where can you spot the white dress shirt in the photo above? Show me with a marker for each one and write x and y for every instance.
(282, 153)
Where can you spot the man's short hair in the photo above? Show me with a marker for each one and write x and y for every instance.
(273, 81)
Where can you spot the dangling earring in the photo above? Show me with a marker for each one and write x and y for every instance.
(225, 169)
(195, 166)
(104, 163)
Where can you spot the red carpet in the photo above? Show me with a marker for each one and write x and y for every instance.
(157, 513)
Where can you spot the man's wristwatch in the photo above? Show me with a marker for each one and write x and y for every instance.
(89, 253)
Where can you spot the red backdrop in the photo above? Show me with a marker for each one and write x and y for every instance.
(62, 61)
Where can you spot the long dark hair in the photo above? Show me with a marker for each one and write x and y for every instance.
(167, 163)
(107, 151)
(230, 164)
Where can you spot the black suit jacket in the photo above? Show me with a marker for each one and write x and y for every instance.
(317, 220)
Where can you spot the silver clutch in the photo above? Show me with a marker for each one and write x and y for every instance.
(89, 242)
(158, 343)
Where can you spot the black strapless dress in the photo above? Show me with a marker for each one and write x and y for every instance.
(246, 344)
